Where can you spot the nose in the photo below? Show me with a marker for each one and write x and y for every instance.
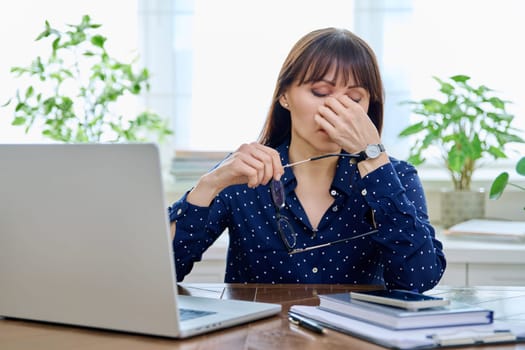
(335, 95)
(338, 94)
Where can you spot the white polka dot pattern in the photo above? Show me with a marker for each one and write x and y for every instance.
(403, 254)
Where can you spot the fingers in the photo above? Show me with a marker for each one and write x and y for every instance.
(343, 106)
(334, 118)
(256, 164)
(346, 122)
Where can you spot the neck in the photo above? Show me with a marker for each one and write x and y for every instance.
(300, 151)
(321, 167)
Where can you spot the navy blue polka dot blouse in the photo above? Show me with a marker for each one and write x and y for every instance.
(404, 253)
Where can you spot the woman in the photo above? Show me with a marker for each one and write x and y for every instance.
(370, 208)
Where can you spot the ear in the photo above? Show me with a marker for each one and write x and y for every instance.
(283, 101)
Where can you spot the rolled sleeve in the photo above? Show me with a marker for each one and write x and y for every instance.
(181, 208)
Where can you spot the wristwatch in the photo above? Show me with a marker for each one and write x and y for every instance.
(371, 151)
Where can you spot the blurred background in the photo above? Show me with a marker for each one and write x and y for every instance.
(213, 63)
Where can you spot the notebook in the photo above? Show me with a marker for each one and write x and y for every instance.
(498, 332)
(84, 240)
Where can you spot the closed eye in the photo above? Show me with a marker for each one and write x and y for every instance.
(319, 94)
(355, 96)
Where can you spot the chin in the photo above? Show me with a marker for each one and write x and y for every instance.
(318, 142)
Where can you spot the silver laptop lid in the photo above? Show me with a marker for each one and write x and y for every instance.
(63, 211)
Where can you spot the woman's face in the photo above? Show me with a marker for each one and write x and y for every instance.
(303, 102)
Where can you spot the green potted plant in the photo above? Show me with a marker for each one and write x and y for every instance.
(469, 124)
(71, 93)
(502, 180)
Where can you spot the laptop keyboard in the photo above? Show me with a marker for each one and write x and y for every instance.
(188, 314)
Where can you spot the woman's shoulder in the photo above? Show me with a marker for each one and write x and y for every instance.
(401, 165)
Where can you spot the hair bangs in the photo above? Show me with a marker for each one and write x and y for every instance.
(337, 54)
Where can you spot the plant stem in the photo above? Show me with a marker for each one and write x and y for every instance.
(517, 186)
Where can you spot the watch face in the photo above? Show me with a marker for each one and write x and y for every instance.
(373, 151)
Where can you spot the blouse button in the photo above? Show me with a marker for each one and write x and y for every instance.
(335, 208)
(333, 193)
(179, 211)
(363, 192)
(314, 270)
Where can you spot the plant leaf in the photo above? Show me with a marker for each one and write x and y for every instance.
(456, 159)
(505, 138)
(18, 121)
(497, 103)
(446, 88)
(45, 33)
(415, 159)
(412, 129)
(29, 92)
(475, 147)
(520, 166)
(498, 186)
(460, 78)
(98, 40)
(496, 152)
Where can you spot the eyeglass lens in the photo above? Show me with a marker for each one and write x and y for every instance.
(277, 189)
(287, 233)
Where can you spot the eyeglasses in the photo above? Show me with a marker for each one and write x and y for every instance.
(286, 231)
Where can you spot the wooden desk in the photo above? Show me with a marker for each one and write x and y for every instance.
(271, 333)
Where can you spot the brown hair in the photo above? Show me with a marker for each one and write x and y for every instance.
(310, 60)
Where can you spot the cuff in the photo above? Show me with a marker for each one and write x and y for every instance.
(381, 183)
(180, 208)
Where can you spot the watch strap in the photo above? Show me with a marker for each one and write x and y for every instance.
(361, 156)
(364, 156)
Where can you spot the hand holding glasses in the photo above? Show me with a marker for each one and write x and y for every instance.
(286, 231)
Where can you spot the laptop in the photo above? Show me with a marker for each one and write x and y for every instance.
(85, 241)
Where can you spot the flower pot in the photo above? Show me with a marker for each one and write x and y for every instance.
(458, 206)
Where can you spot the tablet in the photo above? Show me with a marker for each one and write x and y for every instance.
(404, 299)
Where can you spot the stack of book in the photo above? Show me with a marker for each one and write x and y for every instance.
(423, 326)
(393, 317)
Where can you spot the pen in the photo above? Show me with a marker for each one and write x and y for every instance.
(305, 323)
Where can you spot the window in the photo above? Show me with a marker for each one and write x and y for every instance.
(20, 23)
(228, 54)
(237, 48)
(214, 63)
(476, 38)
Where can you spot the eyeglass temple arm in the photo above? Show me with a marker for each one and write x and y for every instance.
(321, 157)
(302, 250)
